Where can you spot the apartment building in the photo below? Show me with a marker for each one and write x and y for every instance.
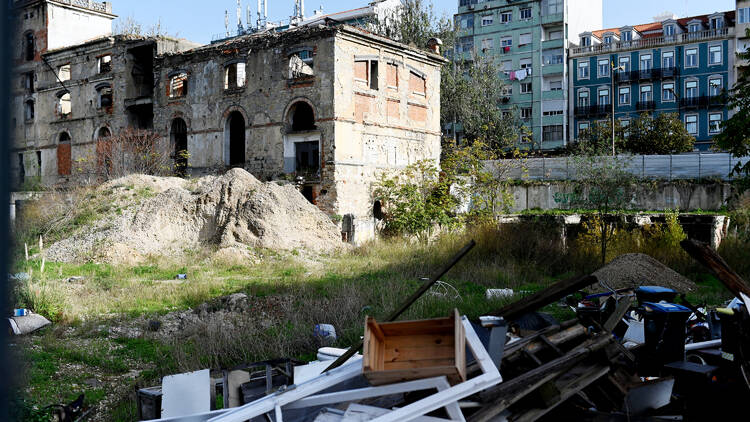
(527, 40)
(674, 65)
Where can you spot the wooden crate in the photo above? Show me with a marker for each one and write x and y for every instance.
(408, 350)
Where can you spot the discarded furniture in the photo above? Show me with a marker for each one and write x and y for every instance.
(149, 403)
(186, 394)
(409, 350)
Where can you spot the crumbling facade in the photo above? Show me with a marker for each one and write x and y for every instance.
(327, 107)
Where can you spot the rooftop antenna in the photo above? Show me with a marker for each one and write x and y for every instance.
(240, 29)
(226, 21)
(262, 13)
(249, 18)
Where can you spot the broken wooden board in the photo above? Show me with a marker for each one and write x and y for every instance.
(544, 297)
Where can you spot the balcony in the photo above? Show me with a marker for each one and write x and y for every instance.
(583, 111)
(654, 42)
(552, 69)
(645, 105)
(602, 109)
(670, 72)
(703, 101)
(624, 76)
(648, 74)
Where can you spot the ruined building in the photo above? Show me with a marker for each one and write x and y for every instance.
(326, 106)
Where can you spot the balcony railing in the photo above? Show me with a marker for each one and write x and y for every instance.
(703, 101)
(654, 41)
(670, 72)
(645, 105)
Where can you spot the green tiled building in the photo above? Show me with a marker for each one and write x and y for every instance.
(527, 41)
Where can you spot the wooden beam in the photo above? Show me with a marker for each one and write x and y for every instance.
(620, 310)
(544, 297)
(702, 253)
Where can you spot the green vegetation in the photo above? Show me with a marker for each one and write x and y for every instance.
(663, 134)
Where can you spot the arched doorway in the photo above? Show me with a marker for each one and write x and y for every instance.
(234, 137)
(178, 136)
(301, 117)
(103, 133)
(64, 155)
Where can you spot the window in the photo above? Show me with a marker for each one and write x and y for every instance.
(366, 72)
(506, 17)
(583, 98)
(553, 113)
(467, 22)
(625, 95)
(714, 54)
(525, 63)
(694, 27)
(714, 87)
(507, 90)
(488, 20)
(743, 15)
(625, 124)
(28, 82)
(714, 122)
(691, 124)
(104, 64)
(234, 75)
(552, 133)
(583, 126)
(488, 44)
(691, 57)
(104, 93)
(624, 64)
(647, 62)
(667, 60)
(525, 13)
(417, 84)
(554, 6)
(29, 47)
(506, 66)
(63, 72)
(178, 85)
(603, 97)
(63, 104)
(555, 86)
(608, 39)
(466, 44)
(717, 23)
(526, 113)
(526, 88)
(646, 94)
(626, 36)
(28, 110)
(555, 35)
(524, 39)
(506, 42)
(391, 75)
(585, 41)
(667, 92)
(691, 89)
(603, 66)
(668, 30)
(583, 70)
(301, 65)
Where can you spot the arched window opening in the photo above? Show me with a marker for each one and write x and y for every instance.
(178, 135)
(104, 94)
(29, 46)
(235, 136)
(64, 138)
(302, 117)
(377, 210)
(103, 133)
(64, 106)
(28, 111)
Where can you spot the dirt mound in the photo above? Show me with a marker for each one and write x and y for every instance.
(173, 215)
(636, 269)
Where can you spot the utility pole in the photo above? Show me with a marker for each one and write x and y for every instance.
(612, 100)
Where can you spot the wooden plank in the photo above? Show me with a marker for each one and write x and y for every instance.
(371, 324)
(394, 354)
(623, 305)
(401, 375)
(702, 253)
(409, 328)
(419, 364)
(426, 340)
(460, 351)
(544, 297)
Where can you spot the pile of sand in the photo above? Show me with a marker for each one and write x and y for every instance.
(637, 269)
(232, 212)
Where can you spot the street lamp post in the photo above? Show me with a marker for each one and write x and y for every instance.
(612, 101)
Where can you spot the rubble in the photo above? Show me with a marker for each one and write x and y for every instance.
(635, 269)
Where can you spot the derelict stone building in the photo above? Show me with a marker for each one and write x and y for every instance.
(328, 107)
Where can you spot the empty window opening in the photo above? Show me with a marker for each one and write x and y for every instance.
(63, 104)
(103, 133)
(307, 157)
(236, 133)
(63, 72)
(234, 76)
(178, 136)
(178, 86)
(28, 110)
(417, 84)
(366, 73)
(21, 168)
(302, 117)
(301, 64)
(29, 46)
(105, 96)
(28, 82)
(105, 64)
(39, 163)
(377, 210)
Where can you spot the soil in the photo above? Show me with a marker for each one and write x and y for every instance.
(636, 269)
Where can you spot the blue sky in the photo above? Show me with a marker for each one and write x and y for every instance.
(200, 20)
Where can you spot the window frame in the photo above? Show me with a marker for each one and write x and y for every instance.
(710, 128)
(185, 79)
(529, 90)
(697, 60)
(721, 55)
(599, 96)
(664, 56)
(696, 122)
(696, 87)
(587, 97)
(650, 60)
(583, 64)
(620, 94)
(606, 68)
(671, 93)
(641, 91)
(520, 14)
(487, 20)
(721, 85)
(504, 14)
(583, 126)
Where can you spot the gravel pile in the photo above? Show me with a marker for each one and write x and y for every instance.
(636, 269)
(234, 212)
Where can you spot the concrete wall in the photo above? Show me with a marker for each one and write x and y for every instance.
(659, 196)
(69, 25)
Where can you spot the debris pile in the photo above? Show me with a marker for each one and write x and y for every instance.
(636, 269)
(623, 358)
(233, 212)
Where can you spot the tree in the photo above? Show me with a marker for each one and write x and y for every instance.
(603, 184)
(129, 26)
(663, 134)
(735, 135)
(597, 139)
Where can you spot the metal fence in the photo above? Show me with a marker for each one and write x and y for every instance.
(664, 167)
